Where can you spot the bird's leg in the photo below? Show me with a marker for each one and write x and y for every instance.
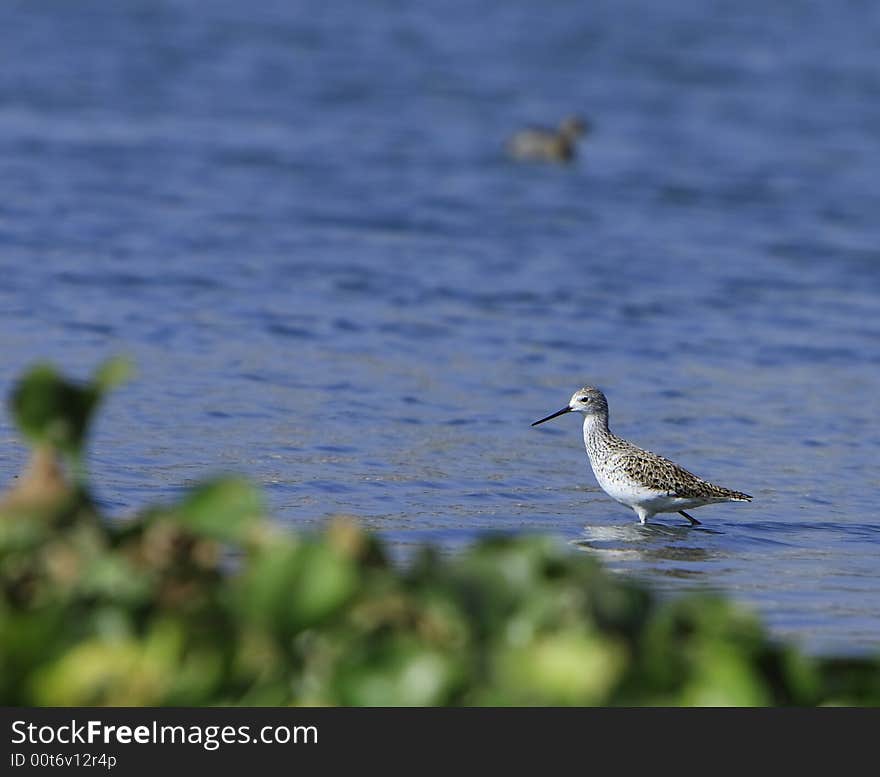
(694, 521)
(643, 515)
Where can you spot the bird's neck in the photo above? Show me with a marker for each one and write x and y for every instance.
(597, 435)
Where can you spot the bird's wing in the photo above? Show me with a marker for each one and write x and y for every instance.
(661, 474)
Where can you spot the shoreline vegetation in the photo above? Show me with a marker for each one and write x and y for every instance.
(148, 612)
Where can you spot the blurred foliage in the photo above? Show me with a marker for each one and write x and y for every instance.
(206, 602)
(51, 411)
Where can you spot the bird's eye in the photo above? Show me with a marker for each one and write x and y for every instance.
(584, 399)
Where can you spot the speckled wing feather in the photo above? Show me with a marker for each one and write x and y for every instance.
(656, 472)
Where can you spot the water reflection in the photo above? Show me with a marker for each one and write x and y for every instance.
(675, 551)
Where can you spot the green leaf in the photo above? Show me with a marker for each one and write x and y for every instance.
(569, 667)
(224, 509)
(324, 581)
(295, 585)
(399, 673)
(112, 373)
(51, 410)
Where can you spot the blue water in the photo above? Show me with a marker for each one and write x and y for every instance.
(298, 220)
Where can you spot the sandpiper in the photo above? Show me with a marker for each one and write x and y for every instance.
(639, 479)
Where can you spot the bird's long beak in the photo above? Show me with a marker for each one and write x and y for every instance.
(557, 413)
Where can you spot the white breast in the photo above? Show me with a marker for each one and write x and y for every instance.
(620, 489)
